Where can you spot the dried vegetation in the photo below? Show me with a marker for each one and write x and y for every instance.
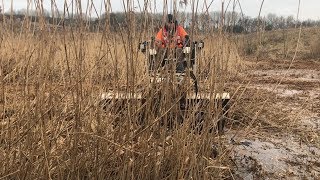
(52, 124)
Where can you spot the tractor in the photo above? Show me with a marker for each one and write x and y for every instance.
(172, 94)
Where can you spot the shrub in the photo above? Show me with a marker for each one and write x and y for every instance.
(315, 48)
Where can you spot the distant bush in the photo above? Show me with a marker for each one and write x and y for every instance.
(250, 47)
(315, 48)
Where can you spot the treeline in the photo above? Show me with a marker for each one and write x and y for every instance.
(230, 21)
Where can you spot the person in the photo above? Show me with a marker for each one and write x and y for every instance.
(171, 35)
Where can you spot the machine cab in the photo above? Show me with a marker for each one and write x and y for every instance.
(180, 59)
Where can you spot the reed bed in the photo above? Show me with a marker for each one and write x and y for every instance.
(54, 127)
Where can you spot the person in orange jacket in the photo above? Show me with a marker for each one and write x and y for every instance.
(171, 35)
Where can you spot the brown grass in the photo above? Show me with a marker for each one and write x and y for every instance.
(279, 44)
(52, 124)
(315, 48)
(53, 127)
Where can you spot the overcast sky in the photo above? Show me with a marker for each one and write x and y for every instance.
(309, 9)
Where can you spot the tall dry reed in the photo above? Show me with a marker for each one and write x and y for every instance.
(52, 124)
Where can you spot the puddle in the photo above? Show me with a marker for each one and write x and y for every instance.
(281, 90)
(298, 74)
(274, 158)
(312, 123)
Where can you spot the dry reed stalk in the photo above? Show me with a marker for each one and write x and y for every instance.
(53, 82)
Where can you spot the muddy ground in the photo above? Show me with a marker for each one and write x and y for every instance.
(283, 142)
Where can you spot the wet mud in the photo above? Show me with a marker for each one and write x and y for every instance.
(282, 154)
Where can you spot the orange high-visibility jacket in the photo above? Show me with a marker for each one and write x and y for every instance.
(176, 41)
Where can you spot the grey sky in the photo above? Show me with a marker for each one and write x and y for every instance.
(309, 8)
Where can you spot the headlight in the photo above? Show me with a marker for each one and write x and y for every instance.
(152, 51)
(186, 50)
(142, 46)
(200, 45)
